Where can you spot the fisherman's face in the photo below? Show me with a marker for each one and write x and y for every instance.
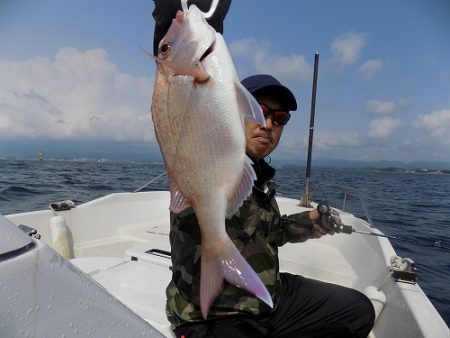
(261, 141)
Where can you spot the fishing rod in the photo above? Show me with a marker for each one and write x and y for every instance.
(330, 220)
(435, 244)
(305, 199)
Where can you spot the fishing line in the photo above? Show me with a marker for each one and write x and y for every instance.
(150, 182)
(435, 244)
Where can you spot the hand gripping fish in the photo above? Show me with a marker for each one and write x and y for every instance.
(198, 112)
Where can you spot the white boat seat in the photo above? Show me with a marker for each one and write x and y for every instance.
(145, 231)
(93, 265)
(138, 280)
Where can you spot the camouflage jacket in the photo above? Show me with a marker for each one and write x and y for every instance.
(256, 230)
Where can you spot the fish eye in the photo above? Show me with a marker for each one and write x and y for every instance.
(164, 49)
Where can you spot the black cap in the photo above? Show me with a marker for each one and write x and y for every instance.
(258, 84)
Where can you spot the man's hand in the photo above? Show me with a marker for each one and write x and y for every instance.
(318, 230)
(303, 226)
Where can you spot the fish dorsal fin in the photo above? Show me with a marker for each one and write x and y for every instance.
(177, 201)
(249, 107)
(243, 189)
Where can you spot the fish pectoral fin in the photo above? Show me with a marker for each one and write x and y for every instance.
(177, 201)
(249, 107)
(222, 261)
(243, 189)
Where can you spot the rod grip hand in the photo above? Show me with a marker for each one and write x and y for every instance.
(330, 219)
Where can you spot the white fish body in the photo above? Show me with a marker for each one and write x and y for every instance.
(200, 130)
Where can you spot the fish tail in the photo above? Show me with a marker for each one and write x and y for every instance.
(223, 261)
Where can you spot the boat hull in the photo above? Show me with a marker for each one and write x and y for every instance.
(121, 241)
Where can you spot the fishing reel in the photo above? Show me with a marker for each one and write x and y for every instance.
(330, 220)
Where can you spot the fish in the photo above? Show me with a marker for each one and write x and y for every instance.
(198, 112)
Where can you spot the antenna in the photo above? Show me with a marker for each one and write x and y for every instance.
(305, 198)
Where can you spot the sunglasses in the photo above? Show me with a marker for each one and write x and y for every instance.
(278, 117)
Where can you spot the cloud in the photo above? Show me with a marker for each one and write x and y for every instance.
(381, 107)
(77, 95)
(436, 123)
(385, 107)
(347, 48)
(258, 54)
(382, 128)
(370, 68)
(330, 139)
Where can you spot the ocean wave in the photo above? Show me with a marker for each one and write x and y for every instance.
(15, 191)
(4, 198)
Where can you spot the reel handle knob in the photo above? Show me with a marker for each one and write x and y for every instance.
(330, 219)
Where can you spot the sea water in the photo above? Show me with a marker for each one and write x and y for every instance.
(410, 205)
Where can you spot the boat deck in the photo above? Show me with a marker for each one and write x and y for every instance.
(139, 279)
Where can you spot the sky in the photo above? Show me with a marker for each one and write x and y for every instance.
(75, 82)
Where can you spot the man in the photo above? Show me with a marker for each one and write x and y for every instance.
(302, 307)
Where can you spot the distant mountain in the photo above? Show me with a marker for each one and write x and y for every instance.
(342, 163)
(384, 164)
(150, 152)
(81, 149)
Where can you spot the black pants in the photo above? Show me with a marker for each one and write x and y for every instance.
(306, 308)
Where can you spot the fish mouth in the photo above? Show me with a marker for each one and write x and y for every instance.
(208, 51)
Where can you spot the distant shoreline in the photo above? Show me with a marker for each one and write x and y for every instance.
(414, 171)
(372, 167)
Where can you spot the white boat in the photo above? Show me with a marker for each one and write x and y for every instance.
(112, 280)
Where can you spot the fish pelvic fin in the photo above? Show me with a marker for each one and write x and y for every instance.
(249, 107)
(222, 261)
(177, 200)
(243, 189)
